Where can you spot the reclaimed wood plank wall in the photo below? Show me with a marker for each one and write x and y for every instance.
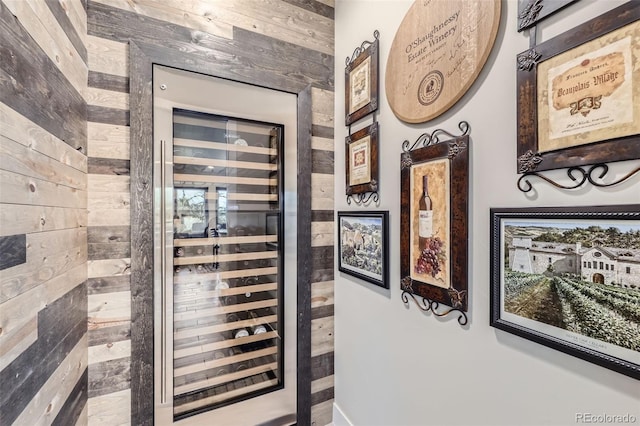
(248, 39)
(43, 212)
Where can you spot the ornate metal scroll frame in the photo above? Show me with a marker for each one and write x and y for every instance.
(579, 176)
(366, 49)
(458, 298)
(358, 195)
(363, 193)
(530, 14)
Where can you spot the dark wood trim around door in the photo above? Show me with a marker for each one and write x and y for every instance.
(142, 58)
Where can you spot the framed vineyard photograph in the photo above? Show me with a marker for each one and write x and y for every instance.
(363, 245)
(578, 94)
(434, 223)
(569, 278)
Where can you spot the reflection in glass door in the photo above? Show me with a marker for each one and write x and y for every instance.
(227, 279)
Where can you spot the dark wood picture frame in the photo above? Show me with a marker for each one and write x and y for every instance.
(530, 12)
(361, 83)
(450, 189)
(588, 304)
(361, 161)
(366, 232)
(604, 148)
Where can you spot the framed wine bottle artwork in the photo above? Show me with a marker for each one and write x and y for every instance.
(434, 223)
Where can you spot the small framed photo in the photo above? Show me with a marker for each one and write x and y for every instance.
(569, 278)
(434, 222)
(361, 84)
(578, 95)
(363, 245)
(361, 158)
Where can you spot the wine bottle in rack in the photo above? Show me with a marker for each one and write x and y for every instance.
(425, 212)
(241, 332)
(258, 329)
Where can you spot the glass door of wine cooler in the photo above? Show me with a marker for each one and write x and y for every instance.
(220, 260)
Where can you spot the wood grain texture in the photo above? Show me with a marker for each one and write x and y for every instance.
(51, 399)
(322, 366)
(271, 62)
(315, 6)
(322, 161)
(107, 115)
(322, 216)
(21, 189)
(110, 409)
(109, 377)
(46, 32)
(13, 251)
(108, 141)
(322, 131)
(61, 13)
(106, 81)
(112, 334)
(18, 158)
(20, 129)
(322, 335)
(107, 98)
(142, 407)
(304, 266)
(176, 12)
(108, 166)
(18, 316)
(49, 254)
(17, 341)
(51, 348)
(31, 78)
(74, 409)
(107, 56)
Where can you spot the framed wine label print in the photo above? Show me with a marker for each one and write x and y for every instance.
(434, 222)
(569, 278)
(361, 82)
(361, 160)
(578, 95)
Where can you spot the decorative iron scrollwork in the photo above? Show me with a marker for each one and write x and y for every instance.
(405, 161)
(579, 176)
(358, 50)
(363, 198)
(427, 139)
(526, 60)
(427, 305)
(530, 13)
(528, 162)
(456, 148)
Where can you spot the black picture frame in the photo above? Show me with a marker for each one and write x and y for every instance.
(447, 165)
(363, 245)
(563, 121)
(361, 81)
(575, 261)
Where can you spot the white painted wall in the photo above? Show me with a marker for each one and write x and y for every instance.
(395, 365)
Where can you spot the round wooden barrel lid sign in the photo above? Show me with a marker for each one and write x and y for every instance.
(436, 55)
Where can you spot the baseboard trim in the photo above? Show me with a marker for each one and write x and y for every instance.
(339, 418)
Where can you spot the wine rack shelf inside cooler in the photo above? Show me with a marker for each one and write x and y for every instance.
(227, 342)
